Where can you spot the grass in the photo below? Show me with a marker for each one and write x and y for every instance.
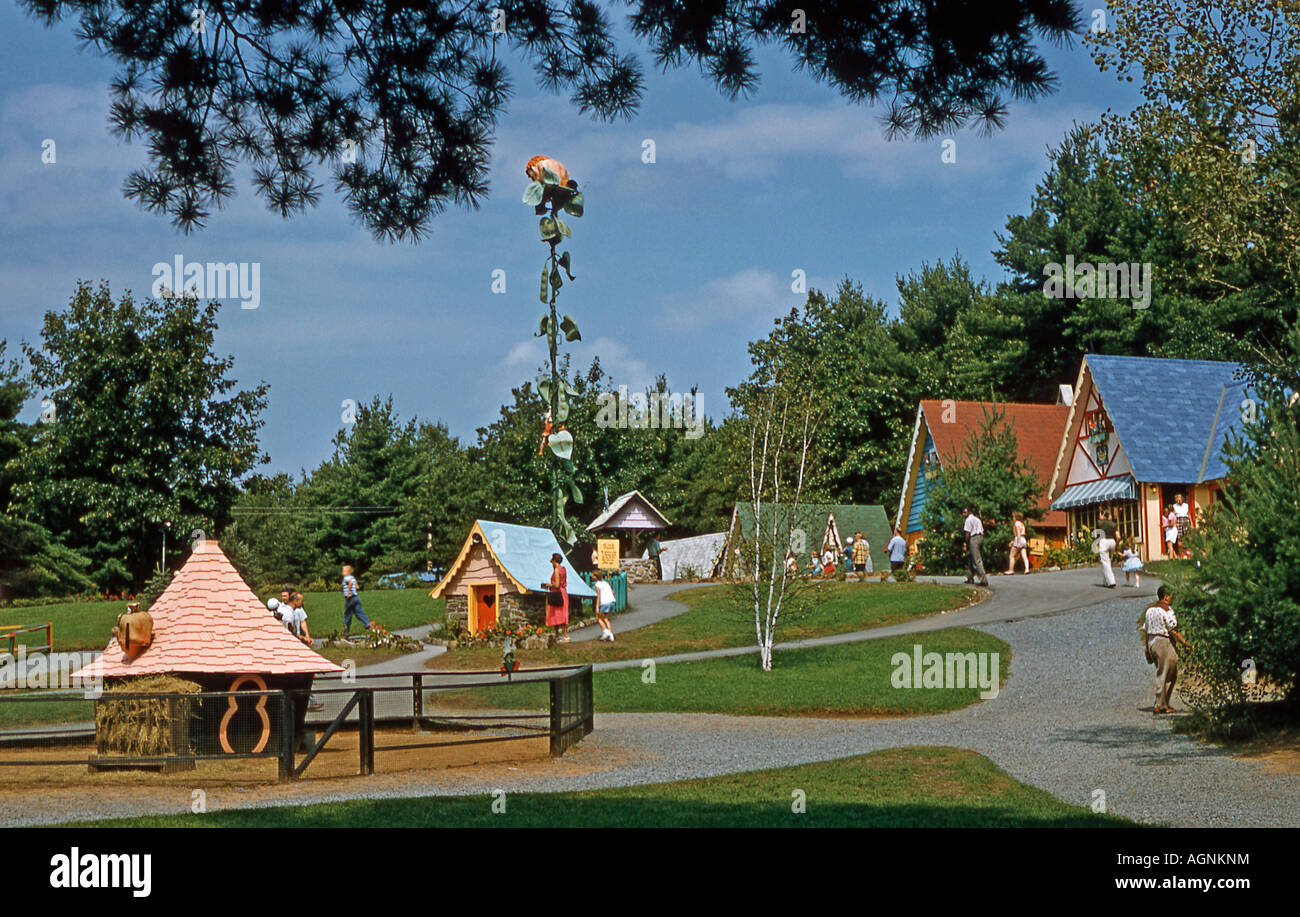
(853, 679)
(16, 715)
(77, 625)
(396, 609)
(896, 788)
(1170, 569)
(88, 625)
(714, 622)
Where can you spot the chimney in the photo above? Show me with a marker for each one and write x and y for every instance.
(1065, 395)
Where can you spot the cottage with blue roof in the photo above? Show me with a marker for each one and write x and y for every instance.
(499, 573)
(1140, 431)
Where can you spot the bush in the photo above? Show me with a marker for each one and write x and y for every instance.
(1077, 549)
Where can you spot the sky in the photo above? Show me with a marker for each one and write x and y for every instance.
(679, 263)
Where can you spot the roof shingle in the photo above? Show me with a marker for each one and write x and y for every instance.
(208, 621)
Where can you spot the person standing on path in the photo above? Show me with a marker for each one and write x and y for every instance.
(557, 599)
(1105, 534)
(1018, 544)
(1162, 631)
(653, 548)
(861, 556)
(352, 602)
(897, 549)
(604, 606)
(974, 530)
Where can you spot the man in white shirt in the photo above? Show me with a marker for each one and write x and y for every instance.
(1162, 631)
(897, 549)
(974, 530)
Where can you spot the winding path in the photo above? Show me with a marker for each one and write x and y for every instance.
(1074, 718)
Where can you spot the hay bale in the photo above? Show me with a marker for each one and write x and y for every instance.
(142, 727)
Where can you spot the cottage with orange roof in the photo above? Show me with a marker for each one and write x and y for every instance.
(941, 431)
(209, 628)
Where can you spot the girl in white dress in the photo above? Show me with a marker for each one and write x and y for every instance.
(1132, 564)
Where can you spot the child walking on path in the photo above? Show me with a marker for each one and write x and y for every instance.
(1132, 565)
(352, 601)
(604, 605)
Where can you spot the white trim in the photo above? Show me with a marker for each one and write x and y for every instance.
(907, 469)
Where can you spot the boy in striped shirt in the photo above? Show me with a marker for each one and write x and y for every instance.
(352, 601)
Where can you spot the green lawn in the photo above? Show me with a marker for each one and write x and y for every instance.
(18, 714)
(77, 625)
(395, 609)
(1170, 569)
(896, 788)
(714, 622)
(853, 679)
(88, 625)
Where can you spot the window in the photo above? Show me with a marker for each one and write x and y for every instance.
(1127, 513)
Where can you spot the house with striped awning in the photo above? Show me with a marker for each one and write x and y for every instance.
(1141, 431)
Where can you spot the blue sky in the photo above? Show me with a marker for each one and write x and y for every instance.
(679, 263)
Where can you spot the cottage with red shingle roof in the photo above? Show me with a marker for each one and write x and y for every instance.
(942, 429)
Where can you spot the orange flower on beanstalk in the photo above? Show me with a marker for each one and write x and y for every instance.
(535, 166)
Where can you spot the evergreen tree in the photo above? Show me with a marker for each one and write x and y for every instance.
(1243, 600)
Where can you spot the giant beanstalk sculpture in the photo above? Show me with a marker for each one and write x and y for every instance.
(550, 192)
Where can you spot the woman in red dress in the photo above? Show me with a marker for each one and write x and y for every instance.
(557, 599)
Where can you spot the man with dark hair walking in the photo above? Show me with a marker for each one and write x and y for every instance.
(974, 530)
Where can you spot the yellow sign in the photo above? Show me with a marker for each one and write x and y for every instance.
(607, 553)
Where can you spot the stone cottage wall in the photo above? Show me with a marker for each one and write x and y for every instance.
(638, 570)
(512, 607)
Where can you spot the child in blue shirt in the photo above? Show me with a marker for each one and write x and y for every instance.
(352, 601)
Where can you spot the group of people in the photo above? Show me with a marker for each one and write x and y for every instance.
(289, 610)
(1108, 542)
(1176, 519)
(856, 557)
(557, 601)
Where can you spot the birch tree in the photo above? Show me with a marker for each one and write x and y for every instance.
(779, 410)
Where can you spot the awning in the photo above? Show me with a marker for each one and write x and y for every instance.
(1120, 488)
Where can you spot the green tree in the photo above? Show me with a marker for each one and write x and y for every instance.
(30, 564)
(147, 429)
(989, 477)
(1243, 600)
(399, 101)
(364, 502)
(1214, 143)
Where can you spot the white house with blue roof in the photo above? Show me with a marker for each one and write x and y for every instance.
(500, 575)
(1142, 430)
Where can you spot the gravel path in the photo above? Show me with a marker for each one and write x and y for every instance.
(1073, 719)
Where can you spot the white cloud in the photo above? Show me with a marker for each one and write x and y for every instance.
(753, 295)
(770, 142)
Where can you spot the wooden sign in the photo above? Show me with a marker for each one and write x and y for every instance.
(607, 553)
